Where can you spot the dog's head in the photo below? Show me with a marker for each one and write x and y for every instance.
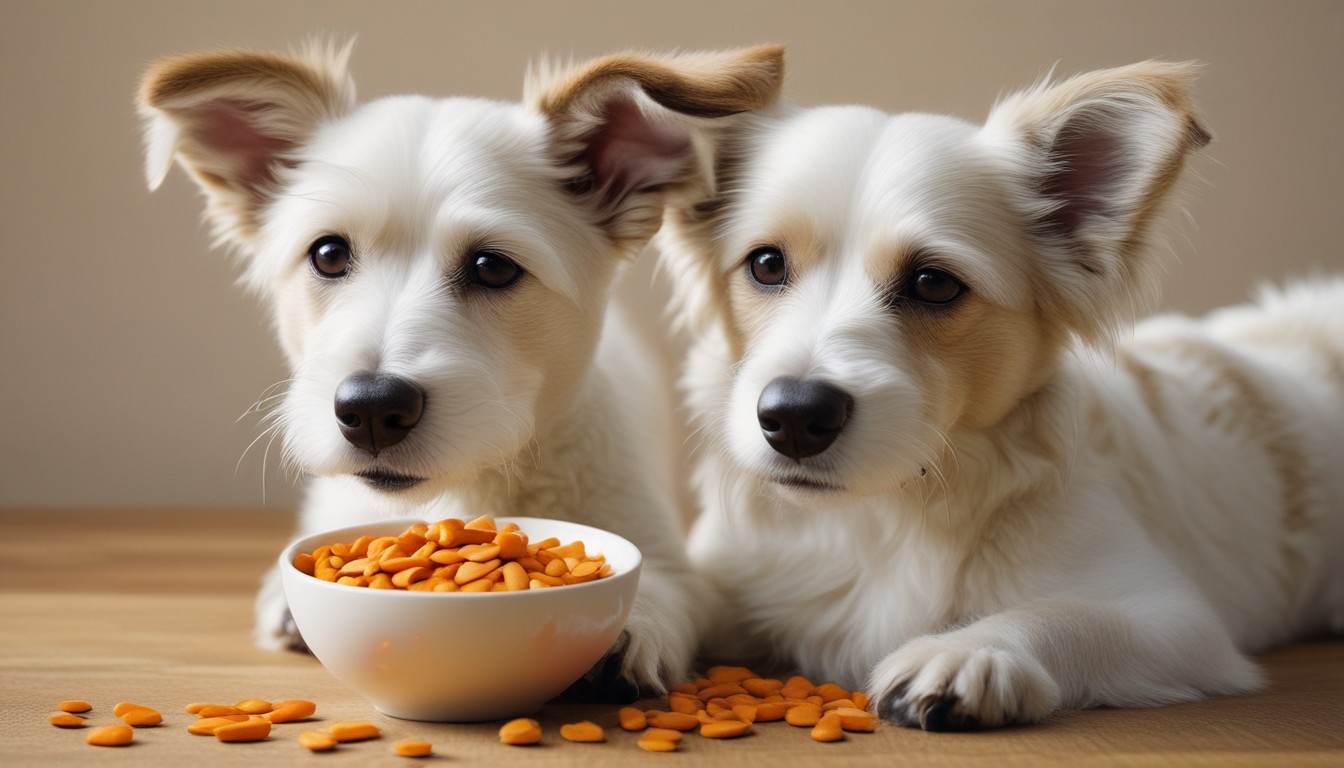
(438, 268)
(882, 283)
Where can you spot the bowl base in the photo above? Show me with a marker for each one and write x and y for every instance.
(454, 714)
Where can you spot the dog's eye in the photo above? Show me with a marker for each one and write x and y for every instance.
(330, 257)
(934, 286)
(768, 266)
(493, 270)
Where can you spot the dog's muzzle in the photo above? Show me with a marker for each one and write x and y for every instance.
(376, 411)
(802, 417)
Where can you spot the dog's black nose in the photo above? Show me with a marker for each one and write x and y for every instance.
(377, 411)
(802, 417)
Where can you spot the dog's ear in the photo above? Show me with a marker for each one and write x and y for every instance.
(634, 127)
(234, 118)
(1103, 150)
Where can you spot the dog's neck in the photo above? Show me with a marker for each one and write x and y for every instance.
(983, 471)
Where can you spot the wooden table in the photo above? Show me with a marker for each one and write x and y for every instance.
(154, 606)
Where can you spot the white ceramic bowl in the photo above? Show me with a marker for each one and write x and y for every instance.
(461, 657)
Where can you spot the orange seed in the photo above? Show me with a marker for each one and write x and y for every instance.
(290, 710)
(413, 748)
(520, 732)
(803, 715)
(584, 732)
(828, 728)
(251, 729)
(316, 741)
(206, 726)
(725, 729)
(632, 719)
(138, 716)
(110, 736)
(354, 731)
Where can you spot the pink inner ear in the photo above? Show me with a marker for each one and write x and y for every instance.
(1092, 166)
(629, 153)
(228, 129)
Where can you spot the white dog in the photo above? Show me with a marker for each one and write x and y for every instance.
(934, 472)
(439, 271)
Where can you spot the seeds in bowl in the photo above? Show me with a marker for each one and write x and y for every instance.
(454, 556)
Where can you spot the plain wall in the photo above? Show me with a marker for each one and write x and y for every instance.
(128, 355)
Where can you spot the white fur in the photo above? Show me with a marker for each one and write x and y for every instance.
(1065, 524)
(539, 400)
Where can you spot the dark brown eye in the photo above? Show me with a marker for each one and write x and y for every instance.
(330, 257)
(768, 266)
(493, 270)
(934, 286)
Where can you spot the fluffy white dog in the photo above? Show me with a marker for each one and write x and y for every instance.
(439, 272)
(935, 471)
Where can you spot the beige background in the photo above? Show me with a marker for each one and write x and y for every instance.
(127, 355)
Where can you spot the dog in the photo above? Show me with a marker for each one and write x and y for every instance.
(439, 272)
(939, 462)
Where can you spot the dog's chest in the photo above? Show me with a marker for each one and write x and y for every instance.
(835, 592)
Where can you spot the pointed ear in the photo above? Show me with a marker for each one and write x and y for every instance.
(629, 125)
(235, 118)
(1104, 151)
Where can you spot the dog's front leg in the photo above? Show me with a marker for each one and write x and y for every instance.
(330, 503)
(1020, 665)
(275, 629)
(660, 638)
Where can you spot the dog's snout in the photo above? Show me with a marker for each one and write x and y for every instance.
(802, 417)
(376, 411)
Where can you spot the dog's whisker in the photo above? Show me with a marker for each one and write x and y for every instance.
(695, 437)
(265, 461)
(265, 400)
(271, 389)
(930, 456)
(238, 464)
(712, 440)
(946, 492)
(268, 398)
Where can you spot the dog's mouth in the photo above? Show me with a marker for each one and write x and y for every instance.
(800, 483)
(384, 480)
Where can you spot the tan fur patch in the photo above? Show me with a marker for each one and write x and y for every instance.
(1165, 180)
(1169, 83)
(982, 359)
(169, 82)
(692, 231)
(751, 306)
(1334, 361)
(1250, 410)
(750, 310)
(1150, 389)
(703, 290)
(1098, 424)
(700, 85)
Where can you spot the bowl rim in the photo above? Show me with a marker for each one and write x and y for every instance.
(286, 561)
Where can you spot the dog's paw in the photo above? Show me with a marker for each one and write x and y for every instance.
(293, 640)
(280, 635)
(275, 629)
(639, 664)
(608, 683)
(935, 684)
